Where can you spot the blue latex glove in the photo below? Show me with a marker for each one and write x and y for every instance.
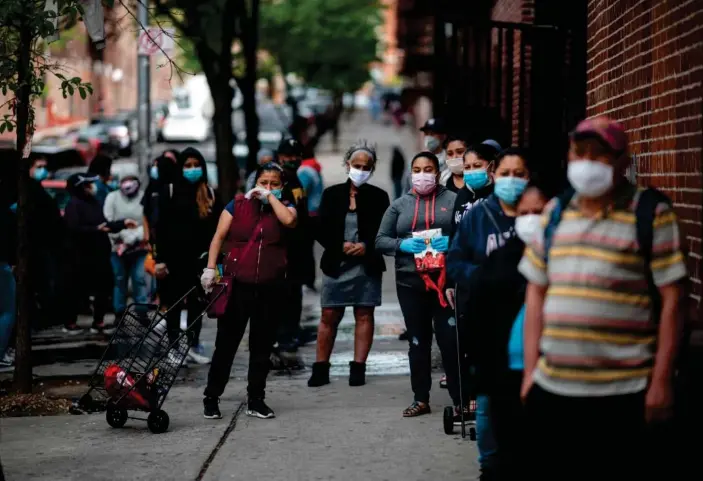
(440, 244)
(414, 245)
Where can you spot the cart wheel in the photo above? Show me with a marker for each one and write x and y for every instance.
(448, 420)
(116, 416)
(472, 434)
(157, 421)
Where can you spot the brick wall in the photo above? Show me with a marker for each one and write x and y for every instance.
(645, 68)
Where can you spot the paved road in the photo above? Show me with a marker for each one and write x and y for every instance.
(332, 433)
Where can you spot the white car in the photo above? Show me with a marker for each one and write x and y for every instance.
(185, 126)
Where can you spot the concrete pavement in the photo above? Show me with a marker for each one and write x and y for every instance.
(334, 433)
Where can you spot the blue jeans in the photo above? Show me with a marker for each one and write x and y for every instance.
(8, 307)
(487, 448)
(126, 267)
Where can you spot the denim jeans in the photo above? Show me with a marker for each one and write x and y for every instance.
(126, 267)
(8, 307)
(487, 448)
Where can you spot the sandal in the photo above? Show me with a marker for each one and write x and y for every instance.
(417, 409)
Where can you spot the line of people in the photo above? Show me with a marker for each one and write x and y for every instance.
(566, 310)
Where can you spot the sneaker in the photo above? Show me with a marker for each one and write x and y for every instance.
(257, 408)
(102, 328)
(8, 360)
(211, 408)
(443, 382)
(72, 329)
(199, 348)
(197, 358)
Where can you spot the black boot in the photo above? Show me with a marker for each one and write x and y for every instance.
(320, 374)
(357, 373)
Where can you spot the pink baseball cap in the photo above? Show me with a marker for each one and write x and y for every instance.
(610, 132)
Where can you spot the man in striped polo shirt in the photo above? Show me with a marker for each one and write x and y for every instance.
(597, 366)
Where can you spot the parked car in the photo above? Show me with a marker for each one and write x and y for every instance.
(94, 139)
(123, 128)
(186, 125)
(274, 121)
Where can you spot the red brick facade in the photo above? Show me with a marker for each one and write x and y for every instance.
(645, 68)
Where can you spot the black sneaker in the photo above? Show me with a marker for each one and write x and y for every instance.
(211, 408)
(72, 329)
(257, 408)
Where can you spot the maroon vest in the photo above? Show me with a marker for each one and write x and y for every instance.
(257, 252)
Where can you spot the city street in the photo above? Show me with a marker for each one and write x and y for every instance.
(332, 433)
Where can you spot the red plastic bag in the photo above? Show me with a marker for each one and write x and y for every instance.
(118, 382)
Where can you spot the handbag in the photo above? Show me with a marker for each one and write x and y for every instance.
(219, 298)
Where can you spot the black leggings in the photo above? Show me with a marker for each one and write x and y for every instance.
(509, 425)
(173, 287)
(247, 302)
(420, 308)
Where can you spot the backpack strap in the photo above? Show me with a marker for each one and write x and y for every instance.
(645, 213)
(561, 203)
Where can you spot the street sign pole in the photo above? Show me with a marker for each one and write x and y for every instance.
(144, 94)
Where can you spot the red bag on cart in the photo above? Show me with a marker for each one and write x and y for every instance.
(118, 382)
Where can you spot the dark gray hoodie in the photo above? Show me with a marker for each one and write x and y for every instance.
(397, 225)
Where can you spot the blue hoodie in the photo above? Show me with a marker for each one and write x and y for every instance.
(476, 237)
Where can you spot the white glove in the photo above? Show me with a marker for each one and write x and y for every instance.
(207, 280)
(451, 297)
(258, 192)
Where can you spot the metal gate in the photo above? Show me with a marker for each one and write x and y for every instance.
(510, 81)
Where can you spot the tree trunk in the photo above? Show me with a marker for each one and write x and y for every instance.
(97, 100)
(23, 355)
(250, 43)
(227, 168)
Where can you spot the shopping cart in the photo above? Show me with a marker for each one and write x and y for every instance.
(140, 365)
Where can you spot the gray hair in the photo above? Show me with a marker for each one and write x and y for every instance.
(361, 146)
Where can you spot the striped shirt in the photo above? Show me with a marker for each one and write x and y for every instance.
(598, 337)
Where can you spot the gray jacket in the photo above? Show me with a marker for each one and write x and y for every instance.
(397, 225)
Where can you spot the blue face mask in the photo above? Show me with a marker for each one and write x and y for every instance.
(113, 185)
(154, 172)
(476, 179)
(193, 174)
(13, 208)
(509, 189)
(277, 193)
(40, 173)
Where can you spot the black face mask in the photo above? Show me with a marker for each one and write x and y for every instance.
(291, 164)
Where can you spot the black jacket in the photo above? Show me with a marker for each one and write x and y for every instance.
(87, 244)
(466, 199)
(488, 308)
(371, 204)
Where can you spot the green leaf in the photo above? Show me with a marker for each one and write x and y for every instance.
(3, 126)
(69, 87)
(81, 91)
(76, 80)
(10, 127)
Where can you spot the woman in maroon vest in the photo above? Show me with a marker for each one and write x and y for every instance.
(253, 224)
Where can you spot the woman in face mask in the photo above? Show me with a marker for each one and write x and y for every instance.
(487, 227)
(254, 225)
(415, 230)
(188, 214)
(453, 177)
(350, 214)
(88, 259)
(478, 179)
(496, 299)
(129, 247)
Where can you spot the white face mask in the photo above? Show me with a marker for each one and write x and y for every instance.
(359, 177)
(527, 227)
(590, 178)
(456, 165)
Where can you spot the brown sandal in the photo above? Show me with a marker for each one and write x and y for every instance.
(416, 409)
